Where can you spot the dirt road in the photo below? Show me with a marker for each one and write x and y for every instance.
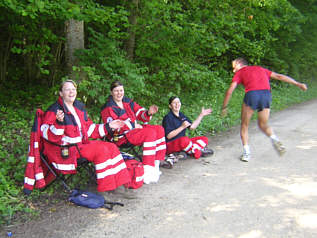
(215, 197)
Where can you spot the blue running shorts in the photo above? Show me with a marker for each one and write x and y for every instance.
(258, 99)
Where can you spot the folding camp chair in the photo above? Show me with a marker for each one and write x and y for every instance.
(82, 163)
(129, 148)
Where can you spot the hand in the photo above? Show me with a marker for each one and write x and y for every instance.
(138, 126)
(186, 124)
(224, 112)
(152, 110)
(302, 86)
(116, 124)
(205, 112)
(60, 115)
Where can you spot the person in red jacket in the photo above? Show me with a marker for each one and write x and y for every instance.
(66, 122)
(256, 81)
(151, 137)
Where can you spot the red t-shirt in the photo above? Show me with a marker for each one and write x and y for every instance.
(253, 78)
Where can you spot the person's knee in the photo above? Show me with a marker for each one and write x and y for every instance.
(184, 142)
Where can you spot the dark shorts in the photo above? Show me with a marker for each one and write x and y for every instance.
(258, 100)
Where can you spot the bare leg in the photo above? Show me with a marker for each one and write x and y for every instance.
(246, 114)
(263, 117)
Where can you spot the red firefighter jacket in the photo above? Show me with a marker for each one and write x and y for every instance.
(130, 114)
(66, 133)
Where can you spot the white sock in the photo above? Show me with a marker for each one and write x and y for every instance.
(246, 149)
(274, 137)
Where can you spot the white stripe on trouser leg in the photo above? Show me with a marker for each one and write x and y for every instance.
(187, 149)
(149, 144)
(149, 152)
(111, 171)
(201, 143)
(161, 147)
(109, 162)
(29, 181)
(158, 141)
(195, 147)
(39, 176)
(31, 159)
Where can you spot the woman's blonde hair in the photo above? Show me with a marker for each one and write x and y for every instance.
(67, 81)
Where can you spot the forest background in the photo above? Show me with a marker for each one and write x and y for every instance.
(157, 48)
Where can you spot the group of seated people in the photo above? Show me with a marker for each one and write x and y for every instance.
(66, 122)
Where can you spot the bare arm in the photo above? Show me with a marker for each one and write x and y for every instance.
(228, 95)
(178, 130)
(288, 79)
(204, 112)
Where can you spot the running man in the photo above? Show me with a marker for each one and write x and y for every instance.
(256, 81)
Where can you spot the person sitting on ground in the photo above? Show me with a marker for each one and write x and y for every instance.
(119, 107)
(256, 81)
(66, 122)
(175, 124)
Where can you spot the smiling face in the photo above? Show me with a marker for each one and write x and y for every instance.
(117, 93)
(68, 92)
(175, 105)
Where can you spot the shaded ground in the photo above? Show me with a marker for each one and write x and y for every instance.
(215, 197)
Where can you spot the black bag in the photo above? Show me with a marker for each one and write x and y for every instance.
(91, 200)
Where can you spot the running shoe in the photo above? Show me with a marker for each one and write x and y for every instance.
(278, 146)
(169, 162)
(206, 152)
(245, 157)
(180, 156)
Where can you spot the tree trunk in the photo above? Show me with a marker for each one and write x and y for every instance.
(130, 43)
(74, 40)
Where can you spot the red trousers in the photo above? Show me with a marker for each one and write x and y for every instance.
(152, 137)
(189, 145)
(111, 171)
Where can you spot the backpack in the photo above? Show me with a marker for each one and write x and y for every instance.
(136, 171)
(91, 200)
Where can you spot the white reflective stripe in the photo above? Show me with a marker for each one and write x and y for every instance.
(31, 159)
(161, 147)
(195, 147)
(91, 129)
(139, 111)
(56, 131)
(66, 167)
(201, 143)
(29, 181)
(139, 179)
(149, 152)
(189, 146)
(44, 129)
(158, 141)
(71, 140)
(128, 124)
(149, 144)
(101, 130)
(109, 162)
(143, 116)
(111, 171)
(36, 145)
(39, 176)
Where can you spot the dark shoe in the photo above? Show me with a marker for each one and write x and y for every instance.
(206, 152)
(169, 162)
(181, 155)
